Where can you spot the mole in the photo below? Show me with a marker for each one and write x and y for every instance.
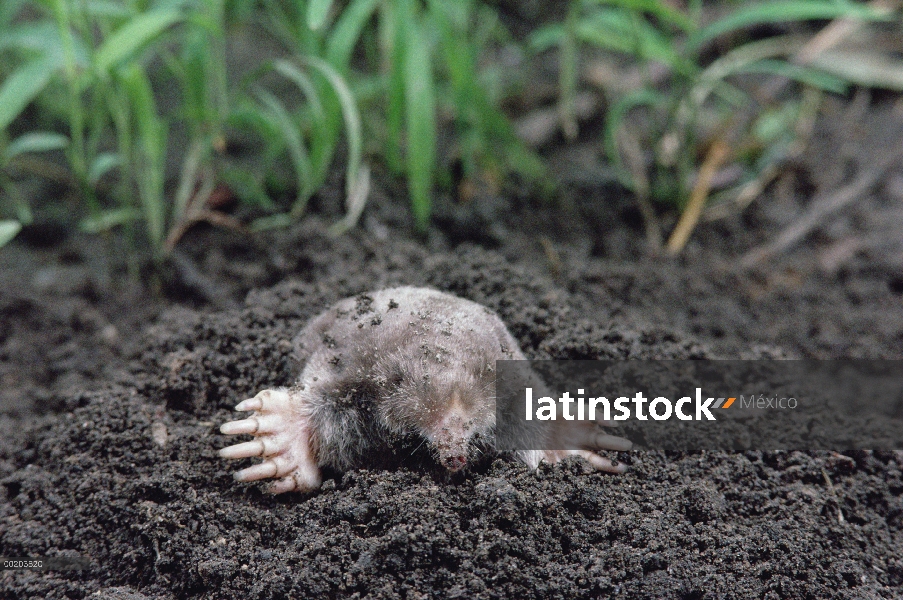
(380, 365)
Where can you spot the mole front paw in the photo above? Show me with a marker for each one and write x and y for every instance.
(585, 438)
(282, 437)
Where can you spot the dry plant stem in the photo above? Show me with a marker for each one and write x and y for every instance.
(551, 255)
(822, 207)
(836, 32)
(355, 200)
(220, 219)
(633, 155)
(716, 156)
(214, 217)
(190, 215)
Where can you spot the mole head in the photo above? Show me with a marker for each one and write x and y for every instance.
(451, 422)
(449, 404)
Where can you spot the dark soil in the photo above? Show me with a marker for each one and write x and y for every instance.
(112, 395)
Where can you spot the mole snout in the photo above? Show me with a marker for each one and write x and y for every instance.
(454, 463)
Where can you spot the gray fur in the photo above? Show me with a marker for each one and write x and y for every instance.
(389, 363)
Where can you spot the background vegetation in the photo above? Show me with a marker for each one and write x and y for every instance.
(137, 107)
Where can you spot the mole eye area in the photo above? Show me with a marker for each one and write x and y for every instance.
(395, 378)
(393, 371)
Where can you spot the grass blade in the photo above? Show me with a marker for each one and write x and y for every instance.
(109, 219)
(319, 123)
(39, 141)
(304, 83)
(8, 230)
(352, 118)
(8, 11)
(293, 140)
(801, 74)
(626, 32)
(660, 10)
(42, 37)
(391, 24)
(872, 69)
(545, 37)
(103, 164)
(317, 11)
(346, 32)
(22, 87)
(355, 202)
(420, 120)
(132, 36)
(151, 149)
(616, 116)
(784, 12)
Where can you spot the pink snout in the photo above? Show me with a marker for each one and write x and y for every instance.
(454, 463)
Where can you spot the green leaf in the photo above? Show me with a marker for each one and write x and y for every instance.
(248, 116)
(8, 11)
(36, 37)
(133, 35)
(545, 37)
(352, 118)
(38, 141)
(22, 87)
(774, 124)
(738, 60)
(390, 24)
(317, 11)
(785, 12)
(271, 222)
(246, 185)
(343, 37)
(294, 141)
(661, 10)
(622, 31)
(103, 164)
(863, 67)
(801, 74)
(109, 219)
(108, 9)
(616, 116)
(151, 142)
(304, 83)
(420, 121)
(322, 130)
(8, 230)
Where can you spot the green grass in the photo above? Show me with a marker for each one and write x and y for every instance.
(698, 103)
(94, 71)
(122, 90)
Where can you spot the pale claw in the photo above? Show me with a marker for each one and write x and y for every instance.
(281, 437)
(245, 450)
